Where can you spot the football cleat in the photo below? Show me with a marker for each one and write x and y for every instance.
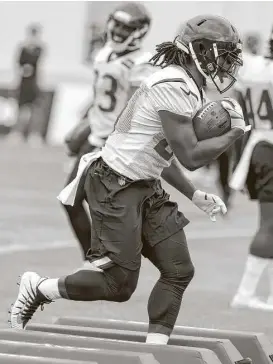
(29, 299)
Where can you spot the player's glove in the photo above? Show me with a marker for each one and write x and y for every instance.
(209, 203)
(236, 114)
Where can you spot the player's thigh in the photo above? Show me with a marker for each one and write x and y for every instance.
(262, 162)
(116, 205)
(162, 219)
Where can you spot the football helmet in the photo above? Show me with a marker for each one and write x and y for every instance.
(126, 27)
(214, 45)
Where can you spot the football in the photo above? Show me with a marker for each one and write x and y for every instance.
(211, 121)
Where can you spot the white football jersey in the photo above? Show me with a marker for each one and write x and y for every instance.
(255, 90)
(114, 76)
(138, 148)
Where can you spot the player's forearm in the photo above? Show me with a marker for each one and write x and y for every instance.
(177, 179)
(207, 150)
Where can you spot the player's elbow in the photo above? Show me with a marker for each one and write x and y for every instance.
(188, 162)
(197, 163)
(184, 155)
(191, 166)
(192, 162)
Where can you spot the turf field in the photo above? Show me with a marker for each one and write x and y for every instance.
(35, 236)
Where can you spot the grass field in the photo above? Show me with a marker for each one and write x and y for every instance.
(35, 236)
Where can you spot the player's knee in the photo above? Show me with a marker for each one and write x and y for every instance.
(186, 273)
(124, 290)
(180, 274)
(124, 294)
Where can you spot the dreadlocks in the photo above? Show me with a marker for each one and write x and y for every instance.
(171, 55)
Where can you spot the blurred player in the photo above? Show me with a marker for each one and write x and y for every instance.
(255, 170)
(252, 43)
(29, 57)
(119, 67)
(225, 162)
(131, 213)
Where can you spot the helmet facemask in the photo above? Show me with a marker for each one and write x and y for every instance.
(121, 36)
(218, 62)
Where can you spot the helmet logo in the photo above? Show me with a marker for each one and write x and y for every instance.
(122, 16)
(210, 67)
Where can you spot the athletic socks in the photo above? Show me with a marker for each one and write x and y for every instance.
(154, 338)
(254, 269)
(50, 289)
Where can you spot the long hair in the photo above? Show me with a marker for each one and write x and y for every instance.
(168, 53)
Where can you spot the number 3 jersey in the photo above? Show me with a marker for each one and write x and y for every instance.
(138, 148)
(114, 77)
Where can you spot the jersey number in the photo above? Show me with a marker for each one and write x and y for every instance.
(161, 149)
(110, 93)
(262, 113)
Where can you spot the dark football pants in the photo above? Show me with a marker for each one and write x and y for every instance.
(130, 218)
(262, 162)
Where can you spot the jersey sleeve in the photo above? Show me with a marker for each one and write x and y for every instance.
(174, 97)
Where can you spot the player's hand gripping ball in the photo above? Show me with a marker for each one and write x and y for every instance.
(211, 121)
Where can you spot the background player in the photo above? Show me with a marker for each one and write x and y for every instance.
(255, 169)
(131, 213)
(119, 67)
(29, 56)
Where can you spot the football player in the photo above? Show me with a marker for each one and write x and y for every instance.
(131, 213)
(28, 62)
(255, 171)
(119, 67)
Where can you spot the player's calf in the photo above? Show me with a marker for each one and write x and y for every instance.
(115, 284)
(172, 259)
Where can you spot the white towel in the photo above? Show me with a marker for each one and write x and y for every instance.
(238, 179)
(68, 194)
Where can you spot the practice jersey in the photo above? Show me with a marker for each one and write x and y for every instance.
(138, 148)
(114, 77)
(255, 91)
